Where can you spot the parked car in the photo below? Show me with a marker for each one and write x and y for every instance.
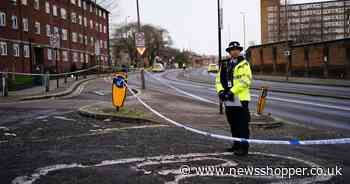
(158, 68)
(213, 68)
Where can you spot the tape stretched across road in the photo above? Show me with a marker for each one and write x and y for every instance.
(231, 139)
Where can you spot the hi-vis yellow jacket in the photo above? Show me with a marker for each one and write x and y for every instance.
(242, 79)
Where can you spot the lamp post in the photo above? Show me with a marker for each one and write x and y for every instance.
(244, 29)
(220, 23)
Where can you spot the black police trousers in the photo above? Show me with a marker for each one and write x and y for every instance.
(239, 118)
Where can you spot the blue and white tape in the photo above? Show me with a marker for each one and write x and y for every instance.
(231, 139)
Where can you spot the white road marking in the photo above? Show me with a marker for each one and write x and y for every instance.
(99, 93)
(10, 134)
(168, 159)
(4, 128)
(343, 108)
(41, 117)
(63, 118)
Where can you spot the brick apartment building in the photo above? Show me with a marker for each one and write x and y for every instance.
(33, 31)
(307, 22)
(318, 40)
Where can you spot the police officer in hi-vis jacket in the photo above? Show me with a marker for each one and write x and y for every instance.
(233, 83)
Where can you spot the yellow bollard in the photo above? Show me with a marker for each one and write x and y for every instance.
(119, 90)
(262, 100)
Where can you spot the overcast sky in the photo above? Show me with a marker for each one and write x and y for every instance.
(193, 23)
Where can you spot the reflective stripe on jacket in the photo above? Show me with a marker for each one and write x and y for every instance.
(242, 80)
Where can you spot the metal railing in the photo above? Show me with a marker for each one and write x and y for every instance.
(8, 79)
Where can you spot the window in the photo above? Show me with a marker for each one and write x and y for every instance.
(80, 18)
(82, 57)
(81, 39)
(74, 17)
(54, 10)
(14, 22)
(65, 56)
(26, 51)
(75, 57)
(105, 29)
(24, 2)
(63, 13)
(3, 48)
(101, 29)
(25, 24)
(84, 5)
(37, 27)
(56, 31)
(85, 40)
(91, 8)
(15, 50)
(86, 58)
(36, 4)
(85, 22)
(96, 26)
(74, 37)
(92, 40)
(72, 1)
(48, 30)
(47, 7)
(49, 54)
(79, 3)
(2, 19)
(91, 24)
(64, 34)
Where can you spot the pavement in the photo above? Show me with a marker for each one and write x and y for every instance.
(38, 92)
(49, 141)
(305, 80)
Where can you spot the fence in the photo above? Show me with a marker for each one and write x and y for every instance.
(29, 84)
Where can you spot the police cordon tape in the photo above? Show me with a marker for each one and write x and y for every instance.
(59, 74)
(231, 139)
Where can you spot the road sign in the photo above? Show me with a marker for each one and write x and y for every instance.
(140, 42)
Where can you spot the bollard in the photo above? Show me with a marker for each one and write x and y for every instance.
(143, 79)
(65, 79)
(262, 100)
(4, 85)
(58, 82)
(76, 76)
(47, 82)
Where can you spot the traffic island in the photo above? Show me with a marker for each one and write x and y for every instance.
(106, 111)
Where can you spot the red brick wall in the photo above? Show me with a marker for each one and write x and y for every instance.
(298, 62)
(337, 66)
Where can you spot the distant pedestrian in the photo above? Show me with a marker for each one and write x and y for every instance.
(233, 82)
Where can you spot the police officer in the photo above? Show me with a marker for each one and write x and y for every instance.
(233, 82)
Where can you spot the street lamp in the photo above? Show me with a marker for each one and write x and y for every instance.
(220, 23)
(126, 24)
(244, 29)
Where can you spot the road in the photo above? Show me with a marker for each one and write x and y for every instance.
(306, 110)
(201, 73)
(50, 132)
